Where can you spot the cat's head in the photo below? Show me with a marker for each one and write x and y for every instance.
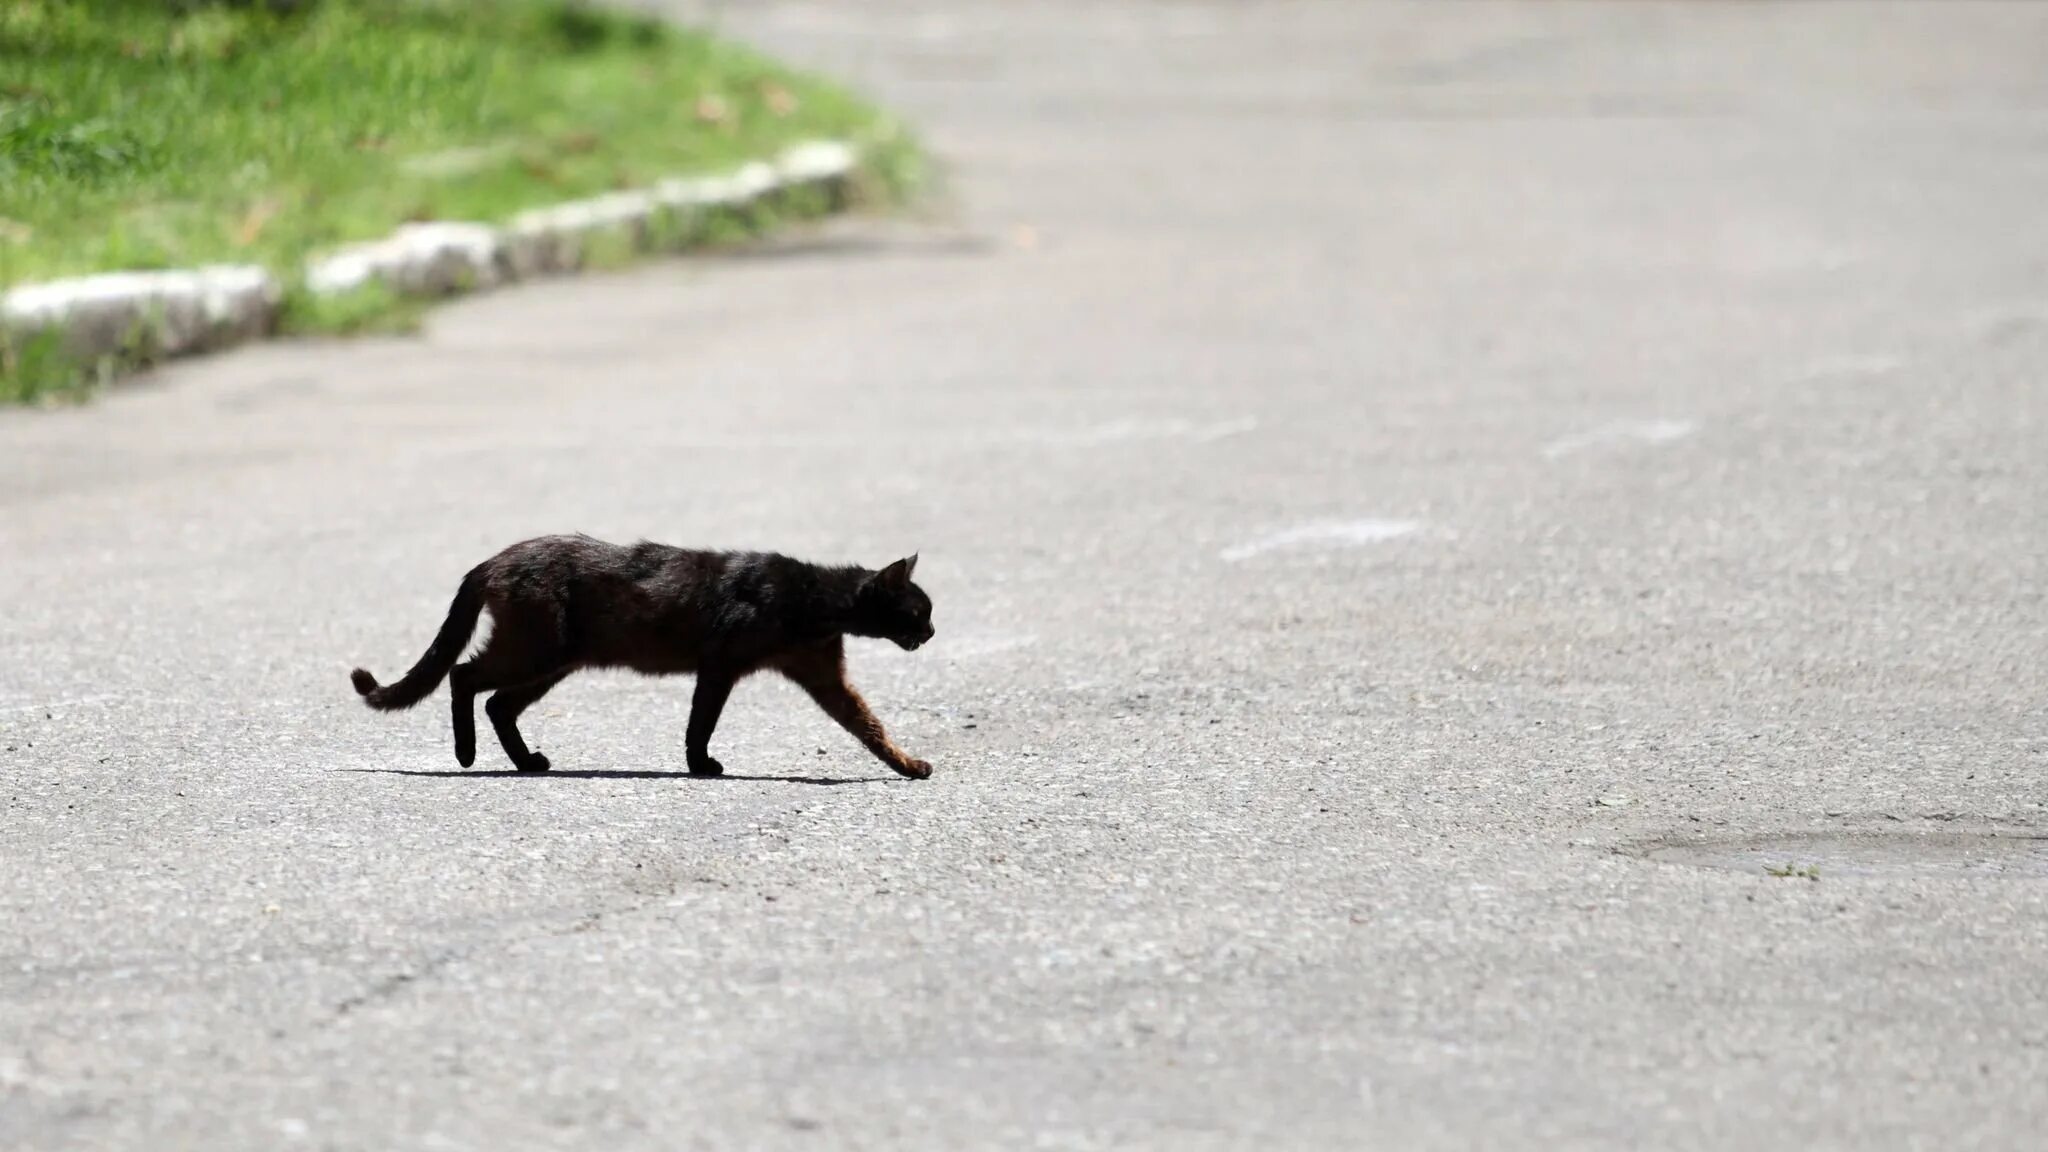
(893, 608)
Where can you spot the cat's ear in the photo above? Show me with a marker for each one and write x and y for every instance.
(897, 575)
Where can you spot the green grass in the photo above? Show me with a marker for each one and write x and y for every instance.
(140, 134)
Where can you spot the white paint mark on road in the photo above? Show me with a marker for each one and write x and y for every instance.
(1325, 534)
(1848, 368)
(971, 647)
(53, 705)
(1119, 431)
(1619, 431)
(1078, 436)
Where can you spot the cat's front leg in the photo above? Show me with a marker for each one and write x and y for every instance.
(824, 678)
(713, 687)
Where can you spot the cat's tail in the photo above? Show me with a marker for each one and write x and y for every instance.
(440, 656)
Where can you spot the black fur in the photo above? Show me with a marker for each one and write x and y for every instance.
(562, 603)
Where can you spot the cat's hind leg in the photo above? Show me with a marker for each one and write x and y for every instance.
(504, 708)
(461, 702)
(522, 650)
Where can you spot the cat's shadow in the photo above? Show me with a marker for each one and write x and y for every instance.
(623, 774)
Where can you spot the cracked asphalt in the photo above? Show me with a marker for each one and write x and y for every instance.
(1422, 501)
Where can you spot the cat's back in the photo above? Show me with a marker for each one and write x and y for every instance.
(572, 563)
(767, 577)
(554, 558)
(578, 566)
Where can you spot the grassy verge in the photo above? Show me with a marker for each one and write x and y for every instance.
(140, 134)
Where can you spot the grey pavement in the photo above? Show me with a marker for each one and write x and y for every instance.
(1426, 505)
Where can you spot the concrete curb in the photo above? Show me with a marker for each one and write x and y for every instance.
(119, 315)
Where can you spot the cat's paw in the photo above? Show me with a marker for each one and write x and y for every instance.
(916, 769)
(706, 767)
(536, 762)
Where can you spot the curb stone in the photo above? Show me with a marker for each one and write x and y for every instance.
(101, 318)
(176, 311)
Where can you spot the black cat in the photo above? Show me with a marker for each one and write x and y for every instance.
(560, 603)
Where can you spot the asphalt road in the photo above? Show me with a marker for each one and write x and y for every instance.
(1403, 486)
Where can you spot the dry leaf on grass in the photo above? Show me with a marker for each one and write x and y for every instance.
(780, 101)
(258, 217)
